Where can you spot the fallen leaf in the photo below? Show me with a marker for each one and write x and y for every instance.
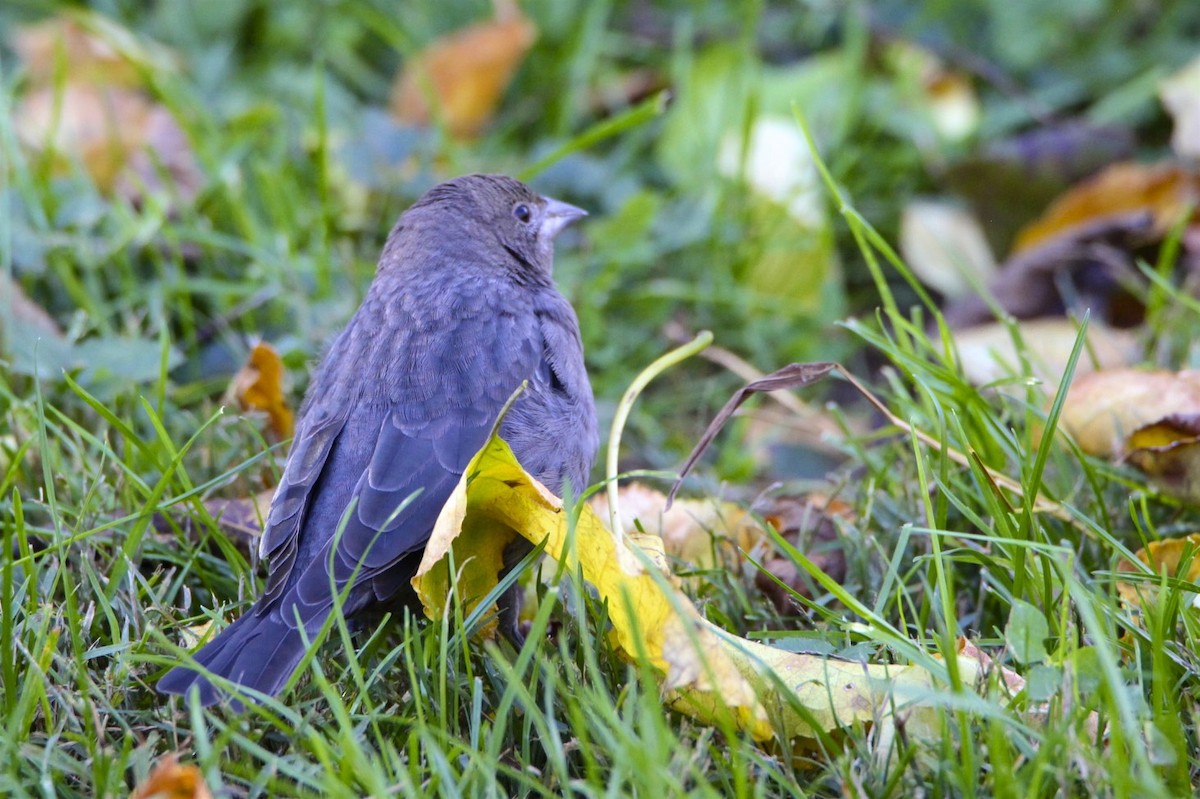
(1168, 451)
(988, 353)
(944, 96)
(97, 125)
(807, 523)
(702, 534)
(1164, 190)
(777, 163)
(953, 104)
(461, 78)
(1180, 94)
(241, 519)
(945, 246)
(1084, 271)
(170, 780)
(705, 672)
(193, 636)
(1163, 557)
(1009, 180)
(624, 90)
(967, 649)
(258, 386)
(87, 47)
(95, 113)
(1103, 409)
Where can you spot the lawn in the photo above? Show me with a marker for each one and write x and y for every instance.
(867, 183)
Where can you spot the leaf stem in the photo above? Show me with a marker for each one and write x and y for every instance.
(702, 340)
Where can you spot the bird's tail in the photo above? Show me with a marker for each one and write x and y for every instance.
(256, 651)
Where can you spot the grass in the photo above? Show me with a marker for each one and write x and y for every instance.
(108, 551)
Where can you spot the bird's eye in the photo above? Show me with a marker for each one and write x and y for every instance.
(522, 212)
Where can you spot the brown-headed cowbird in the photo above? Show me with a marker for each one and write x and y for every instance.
(463, 308)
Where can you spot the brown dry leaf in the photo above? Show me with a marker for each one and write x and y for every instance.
(703, 534)
(1084, 269)
(1180, 94)
(463, 74)
(1007, 180)
(161, 160)
(96, 113)
(967, 649)
(121, 137)
(1103, 409)
(240, 519)
(624, 89)
(1165, 190)
(89, 49)
(98, 125)
(170, 780)
(258, 386)
(1168, 451)
(987, 352)
(807, 523)
(1163, 557)
(975, 665)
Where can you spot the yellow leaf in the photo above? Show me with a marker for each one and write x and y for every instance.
(650, 617)
(258, 386)
(704, 671)
(464, 74)
(1169, 452)
(1103, 409)
(1163, 557)
(170, 780)
(1165, 191)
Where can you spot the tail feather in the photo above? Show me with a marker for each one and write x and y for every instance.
(258, 652)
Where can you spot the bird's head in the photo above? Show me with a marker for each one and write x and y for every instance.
(499, 209)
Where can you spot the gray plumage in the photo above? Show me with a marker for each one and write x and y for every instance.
(463, 308)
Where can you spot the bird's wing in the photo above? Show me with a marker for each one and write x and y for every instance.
(394, 464)
(306, 462)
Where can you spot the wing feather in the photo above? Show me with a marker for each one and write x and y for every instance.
(393, 464)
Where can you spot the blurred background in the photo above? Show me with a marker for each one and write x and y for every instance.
(184, 179)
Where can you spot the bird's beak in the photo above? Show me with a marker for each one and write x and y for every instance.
(559, 215)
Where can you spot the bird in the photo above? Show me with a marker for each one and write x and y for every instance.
(462, 311)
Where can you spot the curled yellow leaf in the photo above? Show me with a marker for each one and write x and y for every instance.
(705, 672)
(258, 386)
